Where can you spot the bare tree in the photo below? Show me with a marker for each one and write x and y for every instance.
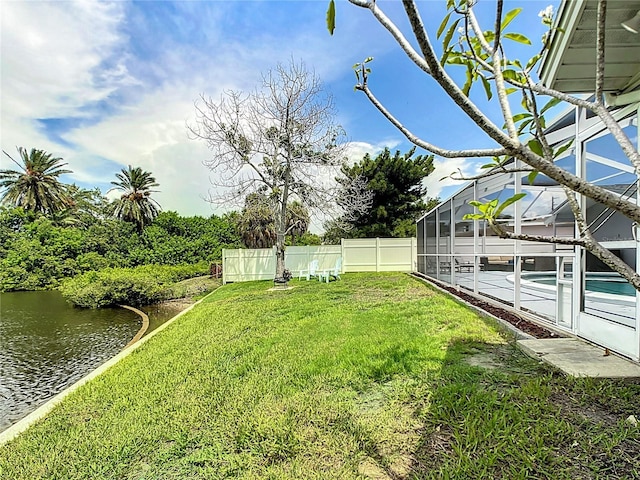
(280, 141)
(522, 143)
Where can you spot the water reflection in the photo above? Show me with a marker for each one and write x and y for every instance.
(46, 345)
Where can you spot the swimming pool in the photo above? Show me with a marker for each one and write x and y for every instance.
(595, 282)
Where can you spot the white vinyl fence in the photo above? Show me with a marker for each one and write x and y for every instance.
(358, 255)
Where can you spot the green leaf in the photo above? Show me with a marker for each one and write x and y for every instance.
(550, 104)
(489, 165)
(535, 146)
(521, 116)
(510, 74)
(331, 17)
(473, 216)
(509, 201)
(532, 61)
(532, 176)
(449, 35)
(524, 125)
(456, 60)
(487, 87)
(511, 90)
(443, 25)
(518, 37)
(467, 85)
(475, 203)
(445, 57)
(508, 18)
(563, 148)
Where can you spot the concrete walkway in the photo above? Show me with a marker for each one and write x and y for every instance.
(578, 358)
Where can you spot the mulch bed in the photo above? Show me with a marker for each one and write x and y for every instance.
(520, 323)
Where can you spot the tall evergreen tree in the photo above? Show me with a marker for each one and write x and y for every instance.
(398, 193)
(35, 186)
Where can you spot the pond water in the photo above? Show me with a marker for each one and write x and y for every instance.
(47, 345)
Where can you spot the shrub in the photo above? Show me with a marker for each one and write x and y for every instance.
(137, 286)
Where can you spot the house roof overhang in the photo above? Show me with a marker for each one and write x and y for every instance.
(570, 63)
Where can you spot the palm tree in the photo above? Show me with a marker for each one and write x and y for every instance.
(35, 186)
(135, 205)
(297, 220)
(255, 224)
(86, 207)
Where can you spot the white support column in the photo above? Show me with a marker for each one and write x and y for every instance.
(452, 231)
(517, 248)
(578, 260)
(414, 254)
(476, 238)
(224, 266)
(637, 237)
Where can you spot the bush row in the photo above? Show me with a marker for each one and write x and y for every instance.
(136, 286)
(36, 253)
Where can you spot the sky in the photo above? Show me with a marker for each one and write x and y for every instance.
(106, 84)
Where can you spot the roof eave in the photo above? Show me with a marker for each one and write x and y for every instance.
(563, 27)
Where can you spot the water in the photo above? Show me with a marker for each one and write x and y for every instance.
(593, 284)
(47, 345)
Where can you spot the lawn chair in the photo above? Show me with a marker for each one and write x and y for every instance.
(464, 266)
(332, 272)
(312, 271)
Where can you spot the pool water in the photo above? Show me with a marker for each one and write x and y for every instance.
(612, 286)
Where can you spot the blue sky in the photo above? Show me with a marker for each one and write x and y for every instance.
(107, 84)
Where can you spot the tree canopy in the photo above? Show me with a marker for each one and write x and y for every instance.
(257, 225)
(398, 193)
(280, 141)
(135, 205)
(35, 186)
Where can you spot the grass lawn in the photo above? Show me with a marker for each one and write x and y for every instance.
(375, 376)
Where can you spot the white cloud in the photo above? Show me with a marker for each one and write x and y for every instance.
(78, 55)
(65, 43)
(439, 183)
(357, 150)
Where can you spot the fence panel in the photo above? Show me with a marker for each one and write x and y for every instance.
(379, 254)
(358, 255)
(298, 258)
(244, 265)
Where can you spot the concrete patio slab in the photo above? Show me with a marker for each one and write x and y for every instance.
(578, 358)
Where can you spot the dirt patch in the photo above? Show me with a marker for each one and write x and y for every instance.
(620, 461)
(387, 295)
(484, 360)
(592, 412)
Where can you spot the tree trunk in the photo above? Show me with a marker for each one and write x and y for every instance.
(280, 254)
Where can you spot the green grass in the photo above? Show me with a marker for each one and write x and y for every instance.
(368, 377)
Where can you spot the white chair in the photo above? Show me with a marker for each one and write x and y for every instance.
(332, 272)
(312, 271)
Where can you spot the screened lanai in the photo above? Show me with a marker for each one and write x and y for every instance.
(562, 285)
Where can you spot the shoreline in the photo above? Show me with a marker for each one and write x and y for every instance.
(24, 423)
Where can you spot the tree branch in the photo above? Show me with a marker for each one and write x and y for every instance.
(600, 42)
(395, 33)
(421, 143)
(447, 84)
(497, 171)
